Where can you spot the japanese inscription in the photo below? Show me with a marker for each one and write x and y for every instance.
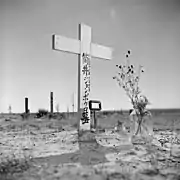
(86, 75)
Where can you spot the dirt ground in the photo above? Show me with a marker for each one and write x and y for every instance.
(56, 151)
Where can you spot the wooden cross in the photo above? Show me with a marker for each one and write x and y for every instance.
(85, 50)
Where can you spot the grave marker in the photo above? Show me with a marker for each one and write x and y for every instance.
(94, 106)
(51, 102)
(26, 106)
(85, 50)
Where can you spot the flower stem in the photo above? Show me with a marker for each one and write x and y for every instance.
(139, 124)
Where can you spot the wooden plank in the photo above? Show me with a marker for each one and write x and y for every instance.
(62, 43)
(85, 38)
(101, 52)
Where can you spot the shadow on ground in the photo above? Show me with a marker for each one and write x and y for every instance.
(90, 152)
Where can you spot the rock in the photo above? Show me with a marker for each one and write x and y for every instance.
(176, 151)
(156, 143)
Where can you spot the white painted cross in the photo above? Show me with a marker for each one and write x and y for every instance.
(85, 50)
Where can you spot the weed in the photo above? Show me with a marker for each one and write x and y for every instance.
(41, 113)
(13, 164)
(25, 116)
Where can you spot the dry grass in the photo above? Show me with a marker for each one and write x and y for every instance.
(11, 164)
(14, 164)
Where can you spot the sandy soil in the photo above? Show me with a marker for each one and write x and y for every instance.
(58, 153)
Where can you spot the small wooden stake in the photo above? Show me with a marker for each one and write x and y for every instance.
(26, 106)
(51, 102)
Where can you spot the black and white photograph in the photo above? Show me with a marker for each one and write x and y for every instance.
(89, 89)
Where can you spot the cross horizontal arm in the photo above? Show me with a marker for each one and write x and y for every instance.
(101, 52)
(62, 43)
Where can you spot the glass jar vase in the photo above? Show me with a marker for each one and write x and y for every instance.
(141, 127)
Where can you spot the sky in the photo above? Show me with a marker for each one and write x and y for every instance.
(29, 67)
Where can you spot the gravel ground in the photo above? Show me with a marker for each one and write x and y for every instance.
(106, 156)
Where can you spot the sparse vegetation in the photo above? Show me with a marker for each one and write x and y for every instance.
(25, 116)
(13, 167)
(12, 164)
(41, 113)
(128, 79)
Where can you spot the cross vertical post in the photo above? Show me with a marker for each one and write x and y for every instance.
(84, 76)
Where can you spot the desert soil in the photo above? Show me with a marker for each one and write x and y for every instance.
(60, 154)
